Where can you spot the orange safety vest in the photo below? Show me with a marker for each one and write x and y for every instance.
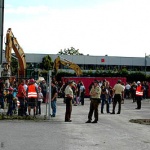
(32, 93)
(139, 91)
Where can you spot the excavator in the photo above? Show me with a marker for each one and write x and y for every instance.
(59, 60)
(12, 43)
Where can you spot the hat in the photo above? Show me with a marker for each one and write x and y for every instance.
(119, 81)
(31, 81)
(138, 82)
(70, 82)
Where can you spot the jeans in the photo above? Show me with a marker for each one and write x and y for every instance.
(10, 108)
(104, 101)
(39, 107)
(53, 106)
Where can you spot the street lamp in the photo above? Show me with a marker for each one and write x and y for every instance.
(146, 56)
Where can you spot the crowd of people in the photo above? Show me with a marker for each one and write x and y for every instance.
(28, 95)
(102, 93)
(23, 96)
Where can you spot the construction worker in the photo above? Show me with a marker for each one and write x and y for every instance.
(32, 94)
(139, 94)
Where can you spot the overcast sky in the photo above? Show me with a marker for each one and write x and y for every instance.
(95, 27)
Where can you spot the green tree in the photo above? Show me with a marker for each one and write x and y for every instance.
(47, 63)
(14, 67)
(71, 51)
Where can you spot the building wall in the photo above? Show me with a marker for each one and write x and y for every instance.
(93, 60)
(83, 59)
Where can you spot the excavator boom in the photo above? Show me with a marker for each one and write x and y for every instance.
(59, 60)
(12, 43)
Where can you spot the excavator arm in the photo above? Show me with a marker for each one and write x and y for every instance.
(12, 43)
(59, 60)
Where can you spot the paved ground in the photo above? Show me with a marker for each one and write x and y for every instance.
(113, 132)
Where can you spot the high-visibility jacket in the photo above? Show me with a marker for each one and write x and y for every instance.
(139, 91)
(32, 93)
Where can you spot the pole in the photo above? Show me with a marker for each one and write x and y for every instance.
(49, 106)
(145, 64)
(1, 28)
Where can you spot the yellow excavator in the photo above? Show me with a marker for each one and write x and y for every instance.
(12, 43)
(59, 60)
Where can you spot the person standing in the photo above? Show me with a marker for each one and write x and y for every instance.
(9, 98)
(118, 90)
(1, 99)
(127, 90)
(32, 94)
(40, 99)
(44, 90)
(139, 94)
(82, 93)
(54, 94)
(105, 97)
(95, 94)
(68, 97)
(133, 91)
(21, 98)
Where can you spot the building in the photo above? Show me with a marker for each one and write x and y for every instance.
(87, 62)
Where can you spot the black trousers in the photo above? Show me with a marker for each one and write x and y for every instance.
(68, 109)
(21, 110)
(93, 108)
(117, 99)
(138, 100)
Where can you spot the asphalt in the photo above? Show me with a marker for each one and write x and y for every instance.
(113, 132)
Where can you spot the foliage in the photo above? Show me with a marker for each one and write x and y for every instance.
(71, 51)
(63, 74)
(136, 76)
(47, 63)
(14, 67)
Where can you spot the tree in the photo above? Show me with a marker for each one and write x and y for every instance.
(71, 51)
(47, 63)
(14, 67)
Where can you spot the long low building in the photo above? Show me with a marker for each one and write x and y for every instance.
(87, 62)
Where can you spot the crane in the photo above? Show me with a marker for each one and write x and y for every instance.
(59, 60)
(12, 43)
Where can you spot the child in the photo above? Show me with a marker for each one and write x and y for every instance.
(15, 100)
(40, 99)
(9, 99)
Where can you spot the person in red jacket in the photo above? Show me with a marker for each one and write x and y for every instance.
(21, 98)
(32, 94)
(139, 94)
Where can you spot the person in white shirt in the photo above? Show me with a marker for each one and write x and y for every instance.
(127, 90)
(40, 100)
(69, 97)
